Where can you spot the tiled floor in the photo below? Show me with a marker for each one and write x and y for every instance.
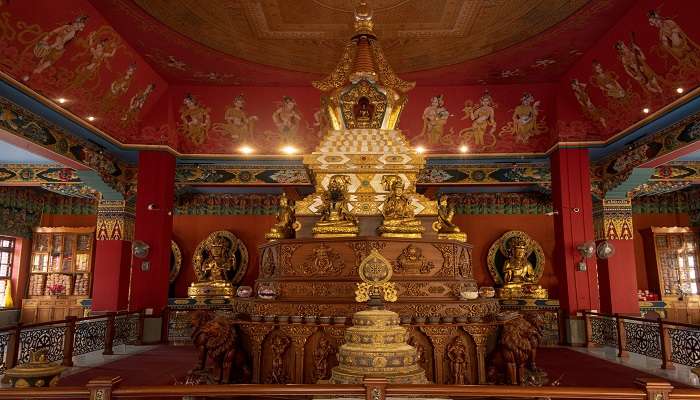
(652, 366)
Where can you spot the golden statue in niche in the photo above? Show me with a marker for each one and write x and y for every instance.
(516, 262)
(219, 262)
(399, 217)
(444, 226)
(287, 223)
(336, 220)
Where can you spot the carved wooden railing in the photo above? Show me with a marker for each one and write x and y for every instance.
(670, 342)
(371, 389)
(69, 338)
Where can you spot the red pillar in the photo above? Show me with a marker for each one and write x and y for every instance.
(618, 273)
(115, 229)
(154, 226)
(573, 226)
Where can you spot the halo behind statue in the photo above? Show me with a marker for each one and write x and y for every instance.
(237, 254)
(175, 261)
(498, 253)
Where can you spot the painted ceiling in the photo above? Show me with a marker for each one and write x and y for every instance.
(433, 42)
(126, 68)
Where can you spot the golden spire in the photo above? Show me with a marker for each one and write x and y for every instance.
(363, 19)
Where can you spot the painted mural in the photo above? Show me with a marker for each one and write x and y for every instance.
(73, 54)
(650, 58)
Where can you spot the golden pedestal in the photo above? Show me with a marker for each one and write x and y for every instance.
(211, 289)
(34, 374)
(522, 291)
(375, 347)
(458, 236)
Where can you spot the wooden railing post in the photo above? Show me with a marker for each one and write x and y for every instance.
(656, 388)
(13, 347)
(139, 327)
(621, 337)
(109, 334)
(589, 329)
(666, 346)
(165, 326)
(101, 388)
(68, 341)
(375, 388)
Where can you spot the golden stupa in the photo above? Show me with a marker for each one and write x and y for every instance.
(375, 346)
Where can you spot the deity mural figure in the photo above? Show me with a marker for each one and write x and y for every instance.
(526, 123)
(118, 88)
(607, 82)
(287, 119)
(587, 107)
(399, 219)
(336, 220)
(517, 269)
(50, 47)
(457, 354)
(220, 261)
(321, 122)
(434, 119)
(136, 104)
(101, 48)
(286, 223)
(634, 62)
(483, 117)
(195, 120)
(238, 125)
(444, 226)
(675, 41)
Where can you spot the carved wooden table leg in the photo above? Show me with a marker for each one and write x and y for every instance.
(439, 336)
(480, 334)
(299, 335)
(256, 333)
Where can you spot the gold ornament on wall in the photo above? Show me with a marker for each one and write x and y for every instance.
(516, 262)
(175, 261)
(375, 272)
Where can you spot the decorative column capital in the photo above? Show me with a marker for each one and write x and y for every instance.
(612, 219)
(115, 220)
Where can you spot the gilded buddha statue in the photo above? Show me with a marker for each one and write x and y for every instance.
(445, 228)
(519, 276)
(215, 263)
(336, 220)
(286, 225)
(399, 217)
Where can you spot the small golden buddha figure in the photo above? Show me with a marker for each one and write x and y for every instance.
(287, 224)
(399, 218)
(519, 277)
(219, 263)
(444, 226)
(336, 220)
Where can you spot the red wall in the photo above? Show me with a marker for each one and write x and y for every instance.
(643, 221)
(189, 230)
(483, 230)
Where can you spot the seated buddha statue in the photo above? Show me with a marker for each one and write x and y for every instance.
(219, 262)
(444, 226)
(399, 219)
(285, 227)
(212, 266)
(336, 220)
(519, 277)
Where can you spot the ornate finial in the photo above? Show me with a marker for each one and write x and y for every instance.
(375, 272)
(363, 19)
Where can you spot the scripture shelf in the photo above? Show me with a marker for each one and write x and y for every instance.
(60, 273)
